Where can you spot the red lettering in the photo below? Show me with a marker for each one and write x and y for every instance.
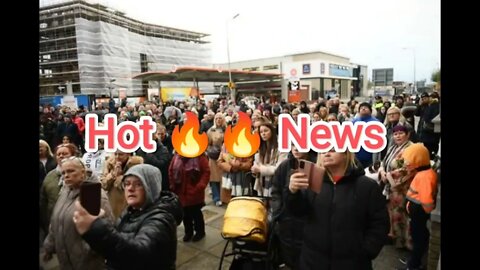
(123, 144)
(93, 132)
(344, 137)
(375, 132)
(299, 133)
(148, 129)
(319, 133)
(115, 137)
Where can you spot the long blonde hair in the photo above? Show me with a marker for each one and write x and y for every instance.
(49, 150)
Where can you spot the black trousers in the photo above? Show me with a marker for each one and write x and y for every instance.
(193, 218)
(419, 232)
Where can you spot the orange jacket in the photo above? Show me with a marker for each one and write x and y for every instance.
(423, 189)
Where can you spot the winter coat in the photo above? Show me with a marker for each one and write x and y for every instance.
(51, 164)
(113, 185)
(215, 138)
(145, 238)
(63, 238)
(189, 185)
(160, 159)
(347, 222)
(288, 228)
(48, 196)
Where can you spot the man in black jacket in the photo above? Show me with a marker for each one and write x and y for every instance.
(145, 236)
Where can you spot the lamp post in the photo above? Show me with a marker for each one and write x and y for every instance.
(230, 82)
(414, 68)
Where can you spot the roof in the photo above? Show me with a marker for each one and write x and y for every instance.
(205, 74)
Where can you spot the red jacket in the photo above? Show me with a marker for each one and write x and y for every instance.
(189, 185)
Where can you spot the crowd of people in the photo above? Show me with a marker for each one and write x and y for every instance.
(367, 200)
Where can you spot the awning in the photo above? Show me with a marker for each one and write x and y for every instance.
(204, 74)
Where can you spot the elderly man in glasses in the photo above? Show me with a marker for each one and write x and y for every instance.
(145, 237)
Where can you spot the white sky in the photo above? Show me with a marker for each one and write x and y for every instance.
(369, 32)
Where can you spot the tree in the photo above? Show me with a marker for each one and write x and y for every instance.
(436, 76)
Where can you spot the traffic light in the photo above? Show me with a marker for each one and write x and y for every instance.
(231, 85)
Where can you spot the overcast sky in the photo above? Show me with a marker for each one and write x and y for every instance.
(369, 32)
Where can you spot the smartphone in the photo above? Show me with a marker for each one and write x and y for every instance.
(314, 174)
(90, 196)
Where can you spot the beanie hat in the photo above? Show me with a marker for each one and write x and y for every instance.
(366, 104)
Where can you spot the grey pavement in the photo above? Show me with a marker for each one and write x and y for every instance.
(206, 253)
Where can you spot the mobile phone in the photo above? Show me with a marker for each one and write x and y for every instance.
(314, 174)
(90, 196)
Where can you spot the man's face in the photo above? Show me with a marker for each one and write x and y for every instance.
(364, 111)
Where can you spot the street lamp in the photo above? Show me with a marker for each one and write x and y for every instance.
(230, 82)
(414, 68)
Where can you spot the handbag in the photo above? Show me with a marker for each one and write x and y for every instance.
(213, 152)
(245, 219)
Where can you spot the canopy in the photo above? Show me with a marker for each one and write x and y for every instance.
(204, 74)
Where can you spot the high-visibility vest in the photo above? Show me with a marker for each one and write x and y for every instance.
(423, 190)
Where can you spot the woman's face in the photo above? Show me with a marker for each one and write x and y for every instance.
(66, 139)
(333, 159)
(297, 154)
(122, 157)
(316, 117)
(134, 191)
(73, 173)
(62, 153)
(400, 137)
(331, 118)
(218, 120)
(43, 151)
(393, 116)
(265, 133)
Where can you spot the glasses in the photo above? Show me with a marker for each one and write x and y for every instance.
(134, 184)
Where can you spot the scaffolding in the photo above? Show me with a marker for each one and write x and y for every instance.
(98, 49)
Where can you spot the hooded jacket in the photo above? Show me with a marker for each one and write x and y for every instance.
(423, 189)
(347, 222)
(145, 238)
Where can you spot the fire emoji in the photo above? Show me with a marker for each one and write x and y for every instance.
(239, 141)
(187, 142)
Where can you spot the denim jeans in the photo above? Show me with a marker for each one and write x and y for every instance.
(215, 186)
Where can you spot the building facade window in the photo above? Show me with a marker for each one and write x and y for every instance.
(270, 67)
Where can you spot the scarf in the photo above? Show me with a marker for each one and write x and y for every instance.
(392, 153)
(182, 165)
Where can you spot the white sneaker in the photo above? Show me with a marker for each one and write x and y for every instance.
(219, 203)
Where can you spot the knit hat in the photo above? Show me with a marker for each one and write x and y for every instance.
(398, 128)
(366, 104)
(424, 94)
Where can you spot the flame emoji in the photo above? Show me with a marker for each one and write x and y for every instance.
(239, 141)
(187, 142)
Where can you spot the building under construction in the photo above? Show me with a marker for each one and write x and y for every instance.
(97, 50)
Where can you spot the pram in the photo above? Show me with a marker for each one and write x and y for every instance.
(249, 232)
(250, 253)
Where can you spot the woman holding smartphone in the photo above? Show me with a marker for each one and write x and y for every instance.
(287, 227)
(347, 222)
(63, 239)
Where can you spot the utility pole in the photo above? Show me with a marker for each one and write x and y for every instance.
(231, 85)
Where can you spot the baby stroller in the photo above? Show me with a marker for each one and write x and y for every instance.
(247, 228)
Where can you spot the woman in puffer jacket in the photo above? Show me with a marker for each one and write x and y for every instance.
(347, 222)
